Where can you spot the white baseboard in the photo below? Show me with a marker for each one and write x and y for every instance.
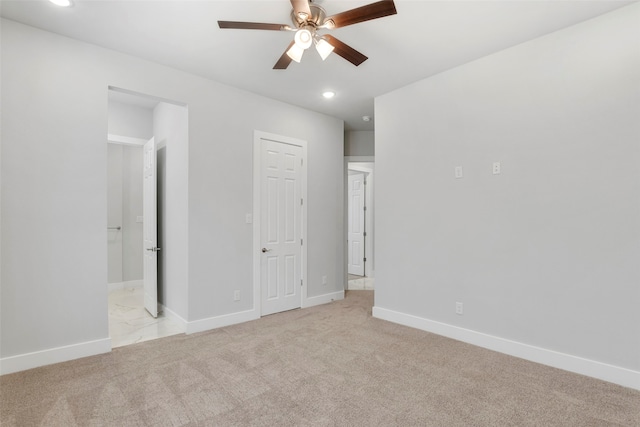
(26, 361)
(116, 286)
(246, 316)
(131, 284)
(221, 321)
(170, 314)
(322, 299)
(614, 374)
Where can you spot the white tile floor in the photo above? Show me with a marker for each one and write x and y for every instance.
(130, 323)
(360, 283)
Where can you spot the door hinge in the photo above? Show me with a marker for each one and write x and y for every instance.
(364, 234)
(300, 282)
(364, 208)
(301, 242)
(364, 259)
(301, 202)
(301, 161)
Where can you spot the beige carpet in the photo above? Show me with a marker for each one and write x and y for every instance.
(331, 365)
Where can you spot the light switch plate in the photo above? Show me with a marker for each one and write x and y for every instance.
(458, 171)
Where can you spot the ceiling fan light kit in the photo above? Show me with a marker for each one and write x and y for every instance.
(323, 47)
(303, 38)
(308, 18)
(295, 52)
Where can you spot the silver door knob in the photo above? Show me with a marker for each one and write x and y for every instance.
(265, 250)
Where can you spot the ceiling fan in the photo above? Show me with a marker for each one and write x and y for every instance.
(308, 19)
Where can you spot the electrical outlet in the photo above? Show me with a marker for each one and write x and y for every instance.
(324, 280)
(459, 308)
(496, 168)
(458, 171)
(236, 296)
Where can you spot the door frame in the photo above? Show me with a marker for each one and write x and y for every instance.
(362, 210)
(150, 217)
(258, 137)
(370, 189)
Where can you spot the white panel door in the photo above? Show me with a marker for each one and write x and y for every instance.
(355, 236)
(150, 231)
(280, 227)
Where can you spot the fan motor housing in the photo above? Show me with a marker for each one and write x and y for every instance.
(316, 19)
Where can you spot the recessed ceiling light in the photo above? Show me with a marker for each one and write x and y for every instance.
(366, 118)
(329, 94)
(63, 3)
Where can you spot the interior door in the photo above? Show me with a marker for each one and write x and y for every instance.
(150, 231)
(281, 226)
(355, 233)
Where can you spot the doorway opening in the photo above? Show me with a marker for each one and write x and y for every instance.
(360, 219)
(131, 279)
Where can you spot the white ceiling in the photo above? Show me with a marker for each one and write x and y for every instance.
(423, 39)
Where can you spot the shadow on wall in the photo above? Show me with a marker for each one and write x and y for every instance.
(161, 176)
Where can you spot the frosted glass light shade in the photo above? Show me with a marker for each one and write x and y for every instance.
(324, 48)
(303, 38)
(295, 53)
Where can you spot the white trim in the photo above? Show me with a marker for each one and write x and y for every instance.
(322, 299)
(358, 168)
(26, 361)
(125, 140)
(617, 375)
(170, 314)
(150, 101)
(365, 159)
(221, 321)
(258, 136)
(131, 284)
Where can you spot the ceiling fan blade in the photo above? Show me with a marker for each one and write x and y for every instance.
(284, 60)
(346, 51)
(302, 9)
(252, 26)
(375, 10)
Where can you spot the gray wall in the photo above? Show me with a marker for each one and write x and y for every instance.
(359, 143)
(171, 133)
(53, 212)
(114, 213)
(132, 247)
(124, 205)
(130, 120)
(546, 253)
